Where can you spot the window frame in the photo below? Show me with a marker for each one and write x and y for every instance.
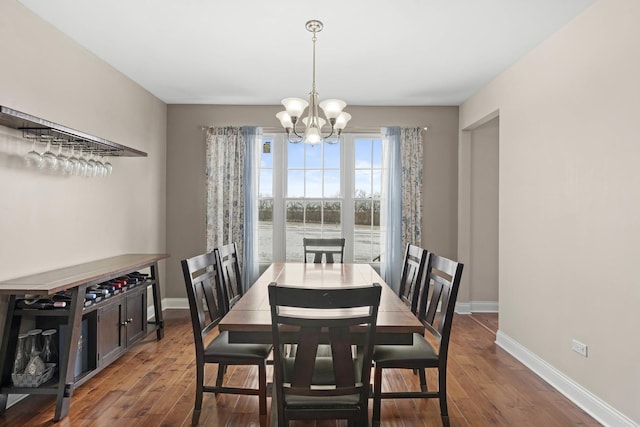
(279, 193)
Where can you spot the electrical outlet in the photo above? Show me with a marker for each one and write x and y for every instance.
(578, 347)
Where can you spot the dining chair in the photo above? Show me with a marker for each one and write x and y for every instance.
(308, 386)
(203, 281)
(327, 247)
(229, 266)
(415, 260)
(435, 311)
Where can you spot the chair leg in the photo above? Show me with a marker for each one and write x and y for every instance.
(363, 416)
(222, 369)
(442, 392)
(423, 380)
(262, 387)
(377, 395)
(199, 390)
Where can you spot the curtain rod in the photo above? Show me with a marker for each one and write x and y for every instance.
(271, 129)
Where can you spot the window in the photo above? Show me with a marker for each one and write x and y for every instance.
(367, 189)
(326, 190)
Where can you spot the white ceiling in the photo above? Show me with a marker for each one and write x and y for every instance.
(256, 52)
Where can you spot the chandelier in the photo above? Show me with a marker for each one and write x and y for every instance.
(332, 108)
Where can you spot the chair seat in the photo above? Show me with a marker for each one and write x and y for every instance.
(320, 402)
(420, 354)
(220, 347)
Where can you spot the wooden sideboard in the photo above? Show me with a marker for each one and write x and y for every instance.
(111, 325)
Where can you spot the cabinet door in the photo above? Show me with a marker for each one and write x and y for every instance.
(110, 331)
(136, 316)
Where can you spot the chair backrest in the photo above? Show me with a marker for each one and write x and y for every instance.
(415, 261)
(327, 247)
(311, 316)
(206, 300)
(438, 299)
(229, 267)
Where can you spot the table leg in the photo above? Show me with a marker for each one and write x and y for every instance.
(157, 301)
(69, 353)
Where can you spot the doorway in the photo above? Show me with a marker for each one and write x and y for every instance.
(478, 216)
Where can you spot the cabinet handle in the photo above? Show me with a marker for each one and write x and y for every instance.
(123, 323)
(129, 320)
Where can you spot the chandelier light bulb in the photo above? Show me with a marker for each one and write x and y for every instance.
(295, 106)
(312, 136)
(341, 121)
(332, 107)
(285, 119)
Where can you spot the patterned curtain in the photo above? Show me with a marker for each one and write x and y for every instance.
(225, 197)
(401, 211)
(411, 159)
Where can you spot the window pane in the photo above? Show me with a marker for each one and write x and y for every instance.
(313, 183)
(366, 247)
(362, 233)
(362, 214)
(294, 231)
(363, 183)
(377, 183)
(265, 230)
(332, 216)
(377, 153)
(332, 156)
(313, 214)
(266, 157)
(295, 155)
(363, 153)
(266, 183)
(295, 183)
(313, 156)
(331, 183)
(295, 212)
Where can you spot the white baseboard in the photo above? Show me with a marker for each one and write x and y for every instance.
(169, 304)
(583, 398)
(477, 307)
(12, 399)
(175, 304)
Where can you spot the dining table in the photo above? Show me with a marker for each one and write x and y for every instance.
(249, 320)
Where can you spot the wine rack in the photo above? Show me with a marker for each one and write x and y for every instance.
(111, 326)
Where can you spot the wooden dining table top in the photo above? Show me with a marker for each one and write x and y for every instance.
(249, 320)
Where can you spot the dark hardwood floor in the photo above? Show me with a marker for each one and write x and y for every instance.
(153, 385)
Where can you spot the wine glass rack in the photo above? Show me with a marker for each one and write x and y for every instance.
(40, 130)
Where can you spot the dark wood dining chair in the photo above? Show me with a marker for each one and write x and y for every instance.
(309, 386)
(229, 266)
(415, 260)
(435, 311)
(206, 303)
(330, 248)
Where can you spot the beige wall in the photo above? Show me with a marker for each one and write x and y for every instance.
(483, 266)
(49, 221)
(186, 163)
(569, 211)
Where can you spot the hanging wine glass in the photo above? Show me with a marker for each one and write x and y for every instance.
(82, 165)
(100, 169)
(33, 159)
(108, 167)
(49, 159)
(91, 166)
(73, 161)
(64, 166)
